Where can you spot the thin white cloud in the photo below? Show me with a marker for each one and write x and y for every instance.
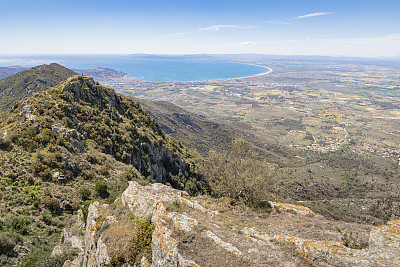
(248, 43)
(223, 27)
(276, 22)
(316, 14)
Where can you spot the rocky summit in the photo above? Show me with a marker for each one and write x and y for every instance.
(188, 233)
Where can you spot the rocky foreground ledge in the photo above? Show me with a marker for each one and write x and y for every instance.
(188, 234)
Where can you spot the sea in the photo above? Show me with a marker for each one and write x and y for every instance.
(147, 68)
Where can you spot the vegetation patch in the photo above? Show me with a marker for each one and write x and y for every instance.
(129, 240)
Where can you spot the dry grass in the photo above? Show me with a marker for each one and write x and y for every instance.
(202, 250)
(128, 240)
(119, 238)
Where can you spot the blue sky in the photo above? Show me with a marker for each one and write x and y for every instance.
(290, 27)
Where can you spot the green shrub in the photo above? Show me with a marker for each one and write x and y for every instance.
(85, 209)
(5, 143)
(239, 174)
(51, 203)
(20, 224)
(84, 193)
(101, 189)
(175, 206)
(191, 187)
(142, 243)
(47, 218)
(7, 244)
(351, 241)
(38, 259)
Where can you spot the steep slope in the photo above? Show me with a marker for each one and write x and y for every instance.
(203, 135)
(73, 142)
(26, 83)
(193, 130)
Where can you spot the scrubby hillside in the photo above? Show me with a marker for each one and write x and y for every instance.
(27, 82)
(75, 142)
(194, 131)
(203, 134)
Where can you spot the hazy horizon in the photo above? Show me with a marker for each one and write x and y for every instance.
(327, 28)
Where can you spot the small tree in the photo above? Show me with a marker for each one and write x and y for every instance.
(239, 174)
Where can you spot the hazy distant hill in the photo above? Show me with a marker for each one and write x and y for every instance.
(25, 83)
(102, 74)
(8, 71)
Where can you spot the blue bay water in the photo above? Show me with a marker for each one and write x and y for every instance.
(148, 69)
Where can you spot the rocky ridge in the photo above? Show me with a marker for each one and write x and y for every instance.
(79, 110)
(176, 229)
(76, 135)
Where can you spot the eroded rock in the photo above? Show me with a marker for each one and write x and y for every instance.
(300, 210)
(229, 247)
(142, 200)
(180, 221)
(384, 248)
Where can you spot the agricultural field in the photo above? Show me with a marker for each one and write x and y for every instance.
(332, 126)
(314, 106)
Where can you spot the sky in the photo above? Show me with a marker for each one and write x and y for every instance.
(362, 28)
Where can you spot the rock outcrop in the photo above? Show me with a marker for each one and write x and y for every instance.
(301, 210)
(93, 249)
(383, 250)
(179, 221)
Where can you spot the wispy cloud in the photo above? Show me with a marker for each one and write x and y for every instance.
(223, 27)
(316, 14)
(276, 22)
(248, 43)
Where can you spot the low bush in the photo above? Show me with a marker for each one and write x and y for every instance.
(84, 193)
(19, 223)
(38, 259)
(51, 203)
(351, 241)
(101, 189)
(7, 244)
(85, 209)
(5, 143)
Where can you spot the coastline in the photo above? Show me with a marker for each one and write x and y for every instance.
(243, 77)
(266, 70)
(128, 76)
(251, 76)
